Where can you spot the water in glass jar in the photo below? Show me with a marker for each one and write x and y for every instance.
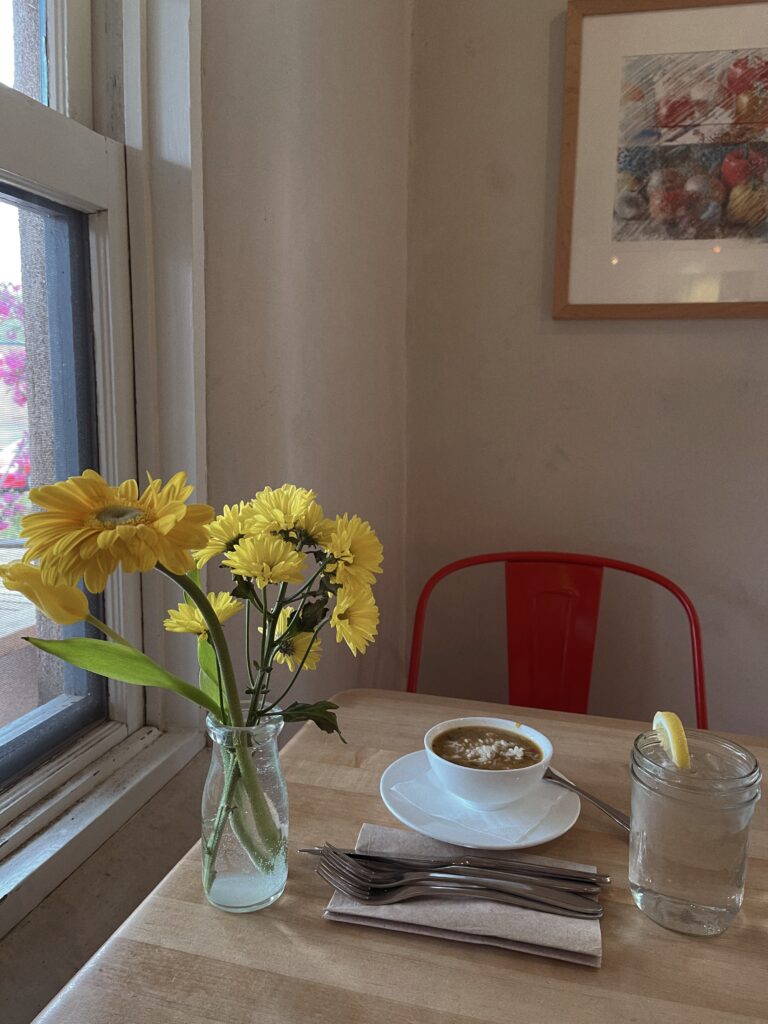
(688, 842)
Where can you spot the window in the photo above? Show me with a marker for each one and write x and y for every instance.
(67, 306)
(50, 294)
(47, 431)
(66, 370)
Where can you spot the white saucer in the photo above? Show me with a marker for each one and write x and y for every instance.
(562, 816)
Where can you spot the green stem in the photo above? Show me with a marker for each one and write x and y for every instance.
(267, 654)
(262, 815)
(248, 644)
(263, 683)
(253, 596)
(222, 702)
(263, 686)
(216, 633)
(307, 585)
(264, 618)
(258, 858)
(211, 846)
(108, 631)
(275, 615)
(265, 711)
(239, 771)
(245, 769)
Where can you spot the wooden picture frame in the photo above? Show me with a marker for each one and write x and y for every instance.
(677, 257)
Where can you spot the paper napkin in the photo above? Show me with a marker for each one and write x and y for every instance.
(478, 921)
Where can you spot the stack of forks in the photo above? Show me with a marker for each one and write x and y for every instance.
(379, 879)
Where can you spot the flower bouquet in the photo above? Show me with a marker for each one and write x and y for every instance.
(280, 541)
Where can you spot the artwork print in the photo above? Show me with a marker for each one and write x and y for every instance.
(692, 159)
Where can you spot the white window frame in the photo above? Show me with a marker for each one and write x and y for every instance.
(69, 52)
(106, 775)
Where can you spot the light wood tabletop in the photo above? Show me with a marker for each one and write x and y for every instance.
(177, 960)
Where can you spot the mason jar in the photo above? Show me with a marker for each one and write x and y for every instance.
(689, 831)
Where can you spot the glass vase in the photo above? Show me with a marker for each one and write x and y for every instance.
(245, 818)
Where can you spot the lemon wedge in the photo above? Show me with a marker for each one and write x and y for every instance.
(672, 736)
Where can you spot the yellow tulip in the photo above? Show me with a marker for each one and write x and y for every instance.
(60, 602)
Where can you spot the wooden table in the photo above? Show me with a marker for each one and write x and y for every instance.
(176, 960)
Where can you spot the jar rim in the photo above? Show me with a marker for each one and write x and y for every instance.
(263, 730)
(746, 771)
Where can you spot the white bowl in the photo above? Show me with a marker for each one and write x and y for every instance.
(479, 787)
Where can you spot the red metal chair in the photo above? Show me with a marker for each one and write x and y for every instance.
(552, 605)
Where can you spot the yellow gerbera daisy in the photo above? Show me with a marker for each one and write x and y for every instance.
(355, 618)
(89, 527)
(188, 618)
(61, 603)
(266, 560)
(356, 552)
(224, 532)
(291, 649)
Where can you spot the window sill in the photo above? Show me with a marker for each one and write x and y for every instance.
(70, 823)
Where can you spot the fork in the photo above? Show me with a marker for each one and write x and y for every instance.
(526, 888)
(503, 864)
(383, 878)
(400, 893)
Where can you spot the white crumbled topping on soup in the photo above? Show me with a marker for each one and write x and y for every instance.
(484, 753)
(486, 747)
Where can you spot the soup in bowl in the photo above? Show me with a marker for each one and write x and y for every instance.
(487, 762)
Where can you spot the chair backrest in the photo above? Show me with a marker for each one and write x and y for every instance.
(552, 602)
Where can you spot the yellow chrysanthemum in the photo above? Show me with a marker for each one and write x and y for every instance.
(289, 510)
(312, 526)
(224, 532)
(88, 528)
(356, 552)
(188, 618)
(291, 650)
(280, 509)
(61, 603)
(355, 618)
(266, 560)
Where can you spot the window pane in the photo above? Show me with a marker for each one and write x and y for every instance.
(47, 432)
(23, 65)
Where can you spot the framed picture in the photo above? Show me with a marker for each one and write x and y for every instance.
(664, 160)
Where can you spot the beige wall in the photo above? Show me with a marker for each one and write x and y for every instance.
(305, 134)
(645, 441)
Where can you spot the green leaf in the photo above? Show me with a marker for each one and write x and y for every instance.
(209, 671)
(328, 585)
(321, 713)
(205, 685)
(117, 661)
(245, 590)
(206, 657)
(312, 614)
